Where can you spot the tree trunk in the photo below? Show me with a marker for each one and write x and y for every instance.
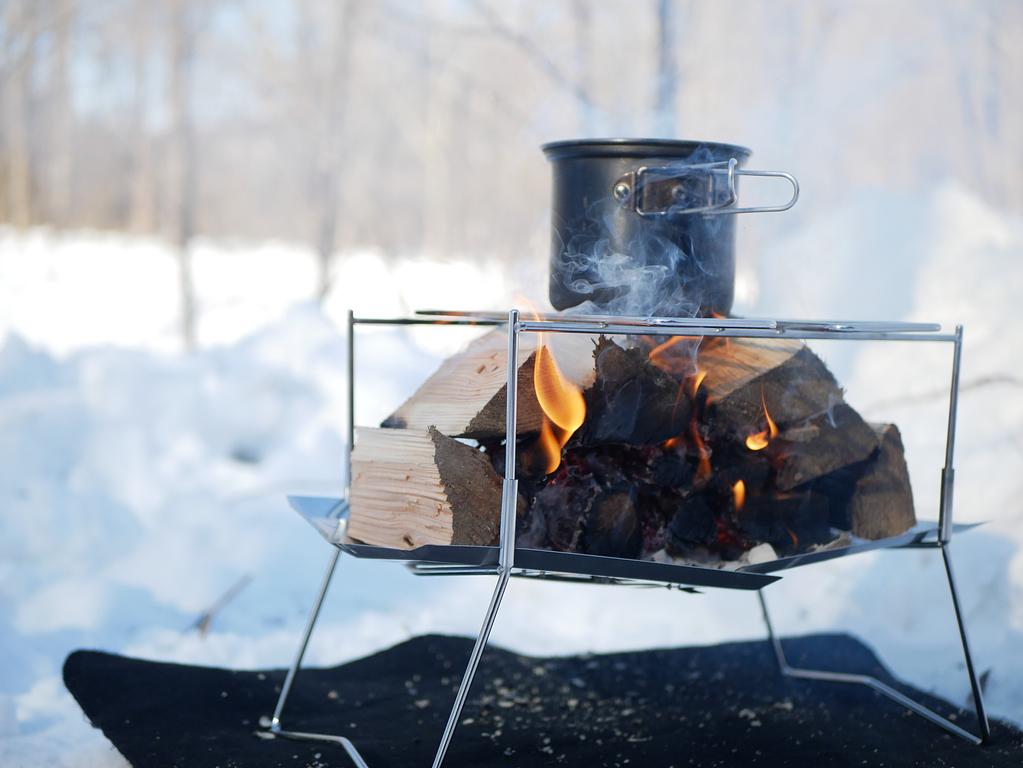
(142, 208)
(19, 20)
(437, 167)
(582, 23)
(329, 166)
(667, 70)
(60, 156)
(182, 69)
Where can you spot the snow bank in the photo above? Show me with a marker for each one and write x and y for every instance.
(138, 484)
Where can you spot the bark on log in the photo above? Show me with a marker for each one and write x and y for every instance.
(745, 374)
(882, 503)
(414, 487)
(818, 432)
(828, 442)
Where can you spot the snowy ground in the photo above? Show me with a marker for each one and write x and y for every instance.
(138, 484)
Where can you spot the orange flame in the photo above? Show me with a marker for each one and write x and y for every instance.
(760, 440)
(697, 380)
(562, 403)
(673, 361)
(551, 447)
(560, 399)
(703, 469)
(657, 353)
(739, 494)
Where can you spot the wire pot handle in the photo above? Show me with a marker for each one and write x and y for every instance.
(708, 189)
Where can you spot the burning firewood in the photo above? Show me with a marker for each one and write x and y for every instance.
(632, 401)
(746, 376)
(695, 448)
(882, 503)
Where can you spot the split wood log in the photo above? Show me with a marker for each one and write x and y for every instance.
(467, 395)
(416, 487)
(819, 432)
(822, 445)
(631, 401)
(744, 375)
(882, 503)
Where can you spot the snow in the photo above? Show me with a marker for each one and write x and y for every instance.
(138, 483)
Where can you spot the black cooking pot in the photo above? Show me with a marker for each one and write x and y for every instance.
(644, 226)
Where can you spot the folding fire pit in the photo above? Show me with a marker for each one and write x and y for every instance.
(600, 562)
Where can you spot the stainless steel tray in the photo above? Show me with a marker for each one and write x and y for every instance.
(329, 517)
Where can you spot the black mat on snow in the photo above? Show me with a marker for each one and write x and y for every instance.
(725, 705)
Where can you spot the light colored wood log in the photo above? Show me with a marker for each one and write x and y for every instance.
(732, 363)
(466, 396)
(416, 487)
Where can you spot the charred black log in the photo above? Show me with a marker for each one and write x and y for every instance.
(882, 503)
(693, 525)
(824, 444)
(794, 389)
(790, 522)
(632, 401)
(612, 526)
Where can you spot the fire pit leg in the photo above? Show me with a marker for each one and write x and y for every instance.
(470, 669)
(275, 727)
(506, 556)
(884, 688)
(275, 721)
(314, 613)
(978, 693)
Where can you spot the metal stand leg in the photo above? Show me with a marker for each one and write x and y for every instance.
(275, 721)
(978, 693)
(887, 690)
(456, 709)
(314, 614)
(470, 669)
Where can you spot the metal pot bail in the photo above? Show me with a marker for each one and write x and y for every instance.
(706, 188)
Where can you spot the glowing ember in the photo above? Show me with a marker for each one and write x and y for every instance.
(757, 442)
(760, 440)
(739, 494)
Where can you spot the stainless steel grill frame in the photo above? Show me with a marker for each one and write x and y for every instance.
(505, 560)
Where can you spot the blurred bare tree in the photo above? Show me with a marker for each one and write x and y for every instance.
(185, 24)
(667, 68)
(21, 30)
(413, 127)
